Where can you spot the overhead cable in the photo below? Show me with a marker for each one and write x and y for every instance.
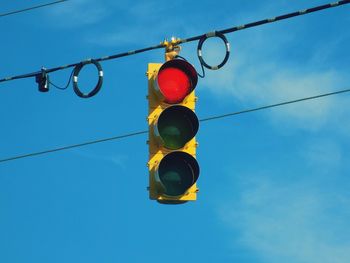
(180, 41)
(210, 118)
(215, 117)
(268, 20)
(73, 146)
(31, 8)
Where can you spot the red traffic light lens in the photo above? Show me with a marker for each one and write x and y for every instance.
(176, 79)
(174, 85)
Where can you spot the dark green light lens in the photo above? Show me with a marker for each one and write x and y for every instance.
(176, 126)
(178, 171)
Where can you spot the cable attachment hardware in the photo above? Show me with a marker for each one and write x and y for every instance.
(75, 78)
(200, 44)
(172, 48)
(43, 80)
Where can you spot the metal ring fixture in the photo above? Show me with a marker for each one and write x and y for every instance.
(200, 44)
(75, 79)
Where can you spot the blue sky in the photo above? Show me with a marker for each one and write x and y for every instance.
(273, 184)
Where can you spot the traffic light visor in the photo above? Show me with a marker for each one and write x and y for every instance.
(177, 172)
(176, 126)
(175, 80)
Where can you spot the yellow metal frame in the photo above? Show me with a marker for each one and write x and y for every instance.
(156, 150)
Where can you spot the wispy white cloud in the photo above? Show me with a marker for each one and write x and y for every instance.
(148, 22)
(256, 75)
(129, 35)
(323, 156)
(147, 9)
(290, 222)
(116, 159)
(78, 13)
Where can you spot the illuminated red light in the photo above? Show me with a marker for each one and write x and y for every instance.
(174, 84)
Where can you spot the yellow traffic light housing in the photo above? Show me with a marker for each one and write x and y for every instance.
(173, 168)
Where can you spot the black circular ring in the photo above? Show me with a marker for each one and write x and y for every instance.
(75, 79)
(199, 49)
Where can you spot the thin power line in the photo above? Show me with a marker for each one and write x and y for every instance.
(31, 8)
(273, 105)
(72, 146)
(162, 45)
(118, 137)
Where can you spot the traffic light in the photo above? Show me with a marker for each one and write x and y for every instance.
(173, 168)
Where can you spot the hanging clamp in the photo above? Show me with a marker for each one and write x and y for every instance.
(172, 48)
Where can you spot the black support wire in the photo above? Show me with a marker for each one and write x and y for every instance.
(272, 19)
(273, 105)
(31, 8)
(180, 41)
(33, 74)
(146, 131)
(73, 146)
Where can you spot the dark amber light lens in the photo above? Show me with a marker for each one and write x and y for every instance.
(176, 126)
